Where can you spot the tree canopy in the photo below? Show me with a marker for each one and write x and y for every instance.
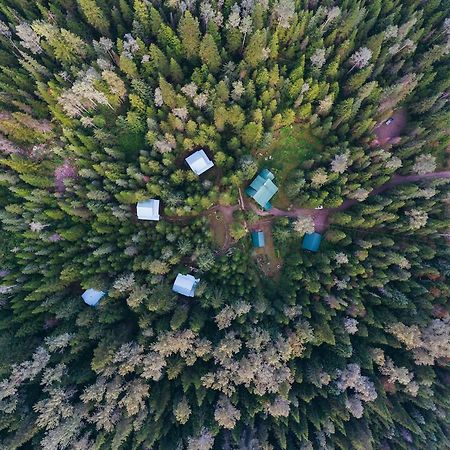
(344, 348)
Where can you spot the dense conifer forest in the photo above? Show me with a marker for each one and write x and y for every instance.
(345, 103)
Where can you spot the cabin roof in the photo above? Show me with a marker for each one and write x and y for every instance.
(148, 209)
(262, 189)
(91, 296)
(311, 241)
(199, 162)
(258, 239)
(185, 285)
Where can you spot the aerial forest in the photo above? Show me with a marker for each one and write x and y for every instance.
(344, 107)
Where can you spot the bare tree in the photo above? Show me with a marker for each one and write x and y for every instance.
(318, 58)
(424, 164)
(360, 58)
(284, 11)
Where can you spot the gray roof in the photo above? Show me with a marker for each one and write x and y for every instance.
(199, 162)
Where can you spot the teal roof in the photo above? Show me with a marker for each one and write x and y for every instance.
(262, 189)
(267, 174)
(311, 242)
(258, 239)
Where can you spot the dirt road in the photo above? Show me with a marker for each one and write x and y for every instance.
(320, 216)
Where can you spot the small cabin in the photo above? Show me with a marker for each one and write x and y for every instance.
(311, 242)
(199, 162)
(258, 239)
(148, 209)
(185, 285)
(91, 296)
(262, 189)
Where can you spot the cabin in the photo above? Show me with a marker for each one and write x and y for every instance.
(258, 239)
(91, 296)
(185, 285)
(199, 162)
(148, 209)
(311, 242)
(262, 189)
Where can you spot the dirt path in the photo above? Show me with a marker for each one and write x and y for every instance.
(320, 216)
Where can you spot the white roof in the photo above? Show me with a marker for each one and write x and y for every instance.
(199, 165)
(91, 296)
(199, 162)
(148, 210)
(185, 284)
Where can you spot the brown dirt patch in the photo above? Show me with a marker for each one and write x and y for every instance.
(386, 133)
(218, 228)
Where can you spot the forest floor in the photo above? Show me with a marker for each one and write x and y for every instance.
(218, 228)
(220, 219)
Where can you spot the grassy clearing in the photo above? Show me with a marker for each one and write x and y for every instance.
(290, 147)
(218, 228)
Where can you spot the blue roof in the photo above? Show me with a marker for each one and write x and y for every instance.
(311, 241)
(91, 296)
(258, 239)
(262, 189)
(185, 285)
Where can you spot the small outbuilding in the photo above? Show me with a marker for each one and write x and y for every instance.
(185, 285)
(199, 162)
(258, 239)
(148, 209)
(91, 296)
(311, 241)
(262, 189)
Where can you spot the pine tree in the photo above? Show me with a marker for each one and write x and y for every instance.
(94, 15)
(190, 35)
(209, 53)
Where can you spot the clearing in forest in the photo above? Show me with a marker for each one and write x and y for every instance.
(218, 227)
(389, 130)
(290, 147)
(267, 257)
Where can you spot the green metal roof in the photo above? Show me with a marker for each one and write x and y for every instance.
(262, 189)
